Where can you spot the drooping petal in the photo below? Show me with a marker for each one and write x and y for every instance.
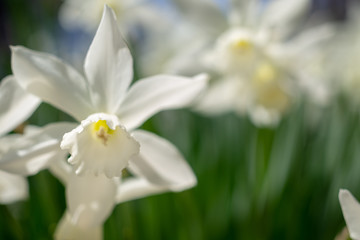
(351, 211)
(33, 152)
(100, 145)
(66, 230)
(151, 95)
(12, 188)
(161, 163)
(90, 199)
(108, 65)
(16, 104)
(52, 80)
(135, 188)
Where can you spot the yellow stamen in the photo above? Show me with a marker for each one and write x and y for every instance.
(102, 131)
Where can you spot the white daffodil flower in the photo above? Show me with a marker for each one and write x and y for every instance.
(351, 211)
(106, 140)
(16, 106)
(101, 100)
(90, 199)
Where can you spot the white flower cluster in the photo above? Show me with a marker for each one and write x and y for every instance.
(259, 54)
(261, 62)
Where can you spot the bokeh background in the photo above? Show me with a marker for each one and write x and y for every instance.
(253, 183)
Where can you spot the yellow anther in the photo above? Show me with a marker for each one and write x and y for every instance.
(102, 131)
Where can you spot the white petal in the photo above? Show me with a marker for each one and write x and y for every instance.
(108, 65)
(151, 95)
(33, 152)
(161, 163)
(12, 188)
(264, 117)
(135, 188)
(89, 152)
(219, 98)
(66, 230)
(52, 80)
(16, 104)
(351, 211)
(7, 141)
(90, 199)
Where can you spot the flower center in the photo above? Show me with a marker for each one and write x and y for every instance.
(102, 131)
(242, 45)
(264, 74)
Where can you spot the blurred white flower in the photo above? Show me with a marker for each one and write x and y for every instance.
(26, 154)
(16, 106)
(264, 96)
(264, 55)
(103, 142)
(351, 211)
(255, 52)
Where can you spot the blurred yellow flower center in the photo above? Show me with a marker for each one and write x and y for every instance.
(102, 131)
(242, 45)
(265, 73)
